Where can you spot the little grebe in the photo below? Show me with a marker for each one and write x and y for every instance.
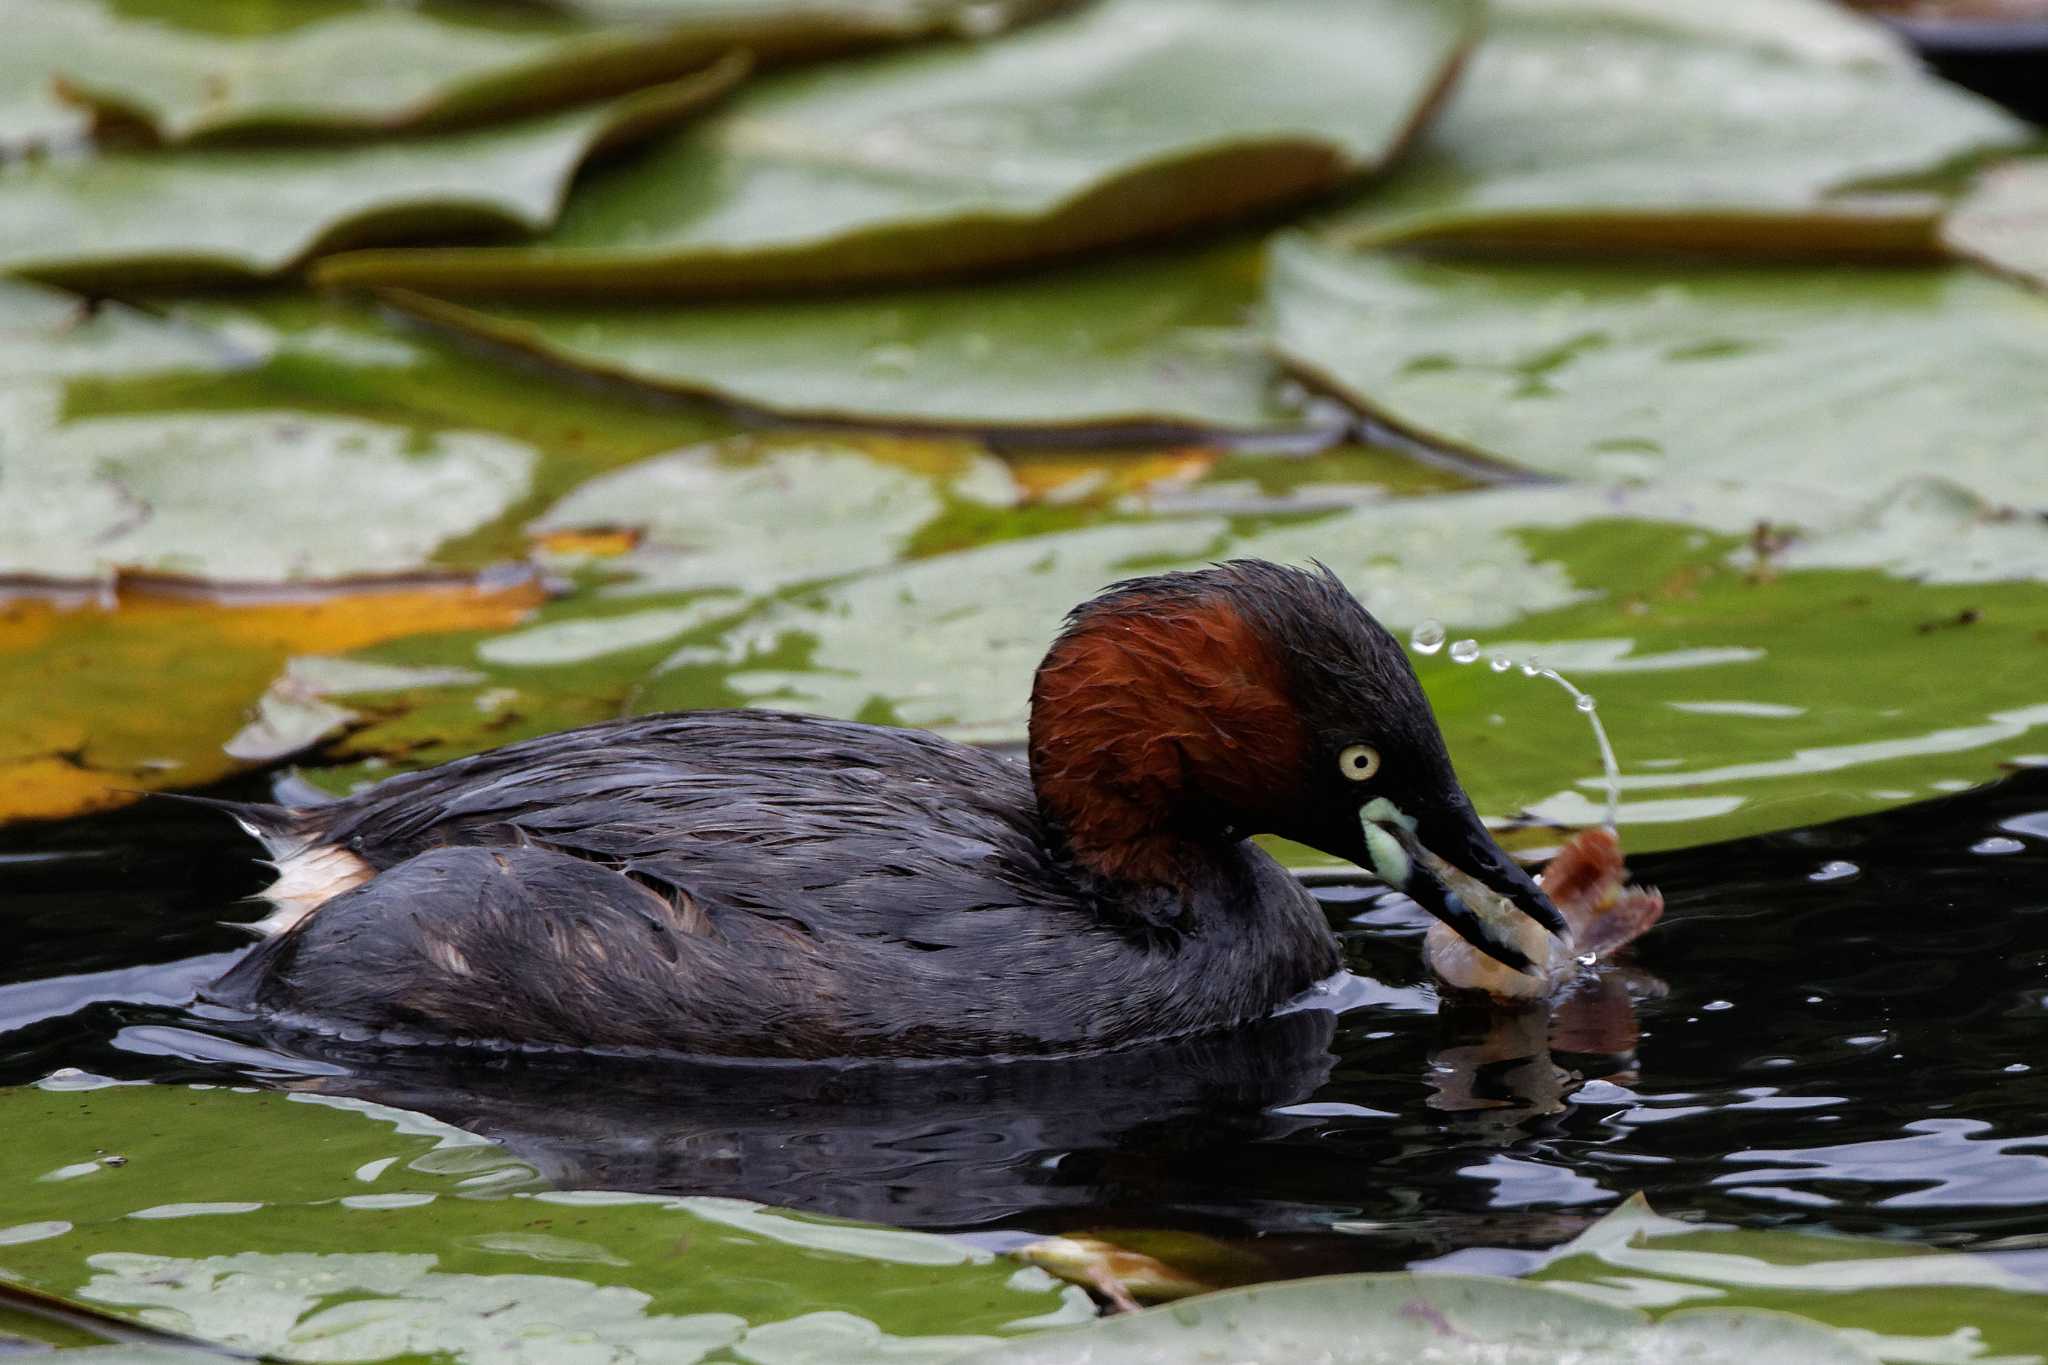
(757, 884)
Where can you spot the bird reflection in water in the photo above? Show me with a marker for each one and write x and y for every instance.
(930, 1145)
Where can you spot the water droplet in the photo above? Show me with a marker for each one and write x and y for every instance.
(1996, 844)
(1531, 667)
(1584, 701)
(1499, 663)
(1464, 651)
(1428, 637)
(1831, 871)
(2019, 1066)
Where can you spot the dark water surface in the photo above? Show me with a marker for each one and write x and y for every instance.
(1839, 1026)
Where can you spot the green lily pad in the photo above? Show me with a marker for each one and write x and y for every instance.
(1157, 341)
(1718, 674)
(1395, 1319)
(197, 70)
(86, 499)
(1592, 124)
(2003, 221)
(315, 1227)
(1830, 378)
(1901, 1303)
(136, 217)
(1106, 124)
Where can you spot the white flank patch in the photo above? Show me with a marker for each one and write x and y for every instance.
(307, 880)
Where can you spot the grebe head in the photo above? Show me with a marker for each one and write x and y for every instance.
(1184, 711)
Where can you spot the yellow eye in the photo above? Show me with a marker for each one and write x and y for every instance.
(1359, 762)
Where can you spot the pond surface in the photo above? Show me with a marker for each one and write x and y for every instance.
(1837, 1026)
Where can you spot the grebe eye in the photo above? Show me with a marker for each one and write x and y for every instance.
(1359, 762)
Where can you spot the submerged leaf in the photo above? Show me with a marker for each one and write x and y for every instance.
(1824, 378)
(1117, 121)
(1592, 124)
(213, 214)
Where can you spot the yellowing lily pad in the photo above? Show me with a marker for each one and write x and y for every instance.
(98, 704)
(1159, 341)
(1828, 378)
(1105, 124)
(192, 70)
(1592, 124)
(139, 217)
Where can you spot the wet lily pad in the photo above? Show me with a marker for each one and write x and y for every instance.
(1897, 1301)
(1392, 1319)
(1109, 123)
(1832, 378)
(2003, 222)
(1591, 124)
(194, 70)
(318, 1227)
(212, 214)
(1158, 341)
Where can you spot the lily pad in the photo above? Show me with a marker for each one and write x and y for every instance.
(1113, 122)
(168, 494)
(2003, 221)
(1902, 1303)
(1161, 341)
(199, 70)
(212, 214)
(1395, 1319)
(1718, 673)
(307, 1226)
(1592, 125)
(1817, 30)
(1831, 378)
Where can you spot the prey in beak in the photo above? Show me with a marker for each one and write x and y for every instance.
(1448, 864)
